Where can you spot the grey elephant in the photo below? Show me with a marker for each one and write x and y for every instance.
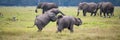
(106, 8)
(67, 22)
(42, 20)
(45, 6)
(87, 7)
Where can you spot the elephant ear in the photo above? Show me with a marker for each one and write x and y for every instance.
(41, 5)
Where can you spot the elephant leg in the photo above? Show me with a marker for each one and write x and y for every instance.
(71, 28)
(84, 13)
(112, 10)
(59, 29)
(43, 11)
(100, 13)
(111, 14)
(104, 15)
(108, 15)
(95, 14)
(39, 27)
(78, 12)
(91, 14)
(36, 10)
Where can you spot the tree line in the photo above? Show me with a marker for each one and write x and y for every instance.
(58, 2)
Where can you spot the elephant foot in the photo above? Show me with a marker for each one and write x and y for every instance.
(95, 15)
(104, 17)
(90, 15)
(39, 30)
(77, 15)
(58, 31)
(109, 17)
(84, 15)
(71, 31)
(119, 17)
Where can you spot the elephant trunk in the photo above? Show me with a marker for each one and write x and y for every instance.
(78, 12)
(96, 10)
(61, 13)
(36, 10)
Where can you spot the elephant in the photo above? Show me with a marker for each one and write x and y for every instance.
(43, 19)
(106, 8)
(45, 6)
(87, 7)
(67, 22)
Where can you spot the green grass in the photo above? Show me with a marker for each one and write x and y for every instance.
(93, 28)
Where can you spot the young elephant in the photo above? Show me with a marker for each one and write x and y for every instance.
(107, 8)
(67, 22)
(45, 6)
(87, 7)
(42, 20)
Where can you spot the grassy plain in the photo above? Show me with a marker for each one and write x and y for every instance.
(93, 27)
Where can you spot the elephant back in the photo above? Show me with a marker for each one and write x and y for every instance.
(92, 7)
(51, 5)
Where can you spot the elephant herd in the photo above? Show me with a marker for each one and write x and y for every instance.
(50, 11)
(106, 8)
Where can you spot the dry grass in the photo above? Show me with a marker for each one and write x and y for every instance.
(93, 28)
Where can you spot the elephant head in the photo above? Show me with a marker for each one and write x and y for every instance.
(40, 6)
(82, 6)
(78, 21)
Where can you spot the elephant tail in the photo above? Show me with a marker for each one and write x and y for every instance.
(31, 26)
(34, 23)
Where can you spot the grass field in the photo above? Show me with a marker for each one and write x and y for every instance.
(93, 27)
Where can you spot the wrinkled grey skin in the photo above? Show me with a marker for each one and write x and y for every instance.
(45, 6)
(106, 8)
(87, 7)
(42, 20)
(67, 22)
